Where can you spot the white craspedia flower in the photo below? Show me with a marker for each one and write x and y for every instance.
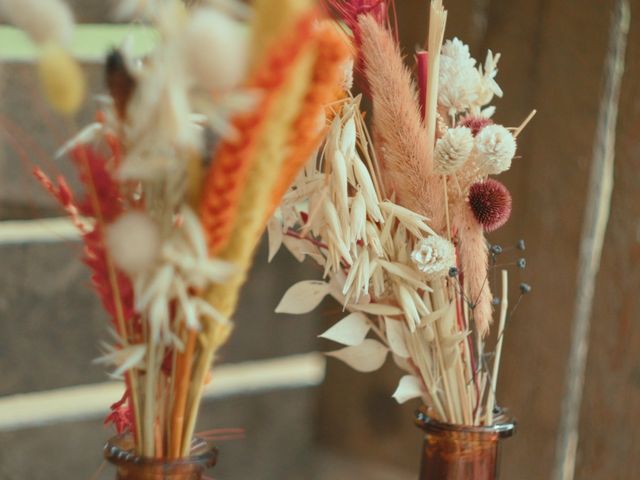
(452, 150)
(434, 255)
(459, 80)
(133, 241)
(216, 49)
(496, 147)
(43, 20)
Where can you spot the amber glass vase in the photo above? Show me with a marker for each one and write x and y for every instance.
(129, 466)
(459, 452)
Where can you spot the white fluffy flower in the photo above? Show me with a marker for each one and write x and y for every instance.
(459, 80)
(216, 49)
(133, 242)
(43, 20)
(452, 150)
(183, 267)
(434, 255)
(495, 147)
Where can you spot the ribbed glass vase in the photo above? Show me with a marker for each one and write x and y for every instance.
(129, 466)
(459, 452)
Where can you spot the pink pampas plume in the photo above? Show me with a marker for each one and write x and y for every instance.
(398, 126)
(474, 262)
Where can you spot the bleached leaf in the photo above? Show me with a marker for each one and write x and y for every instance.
(408, 388)
(377, 309)
(303, 297)
(295, 246)
(351, 330)
(274, 231)
(402, 363)
(395, 337)
(366, 357)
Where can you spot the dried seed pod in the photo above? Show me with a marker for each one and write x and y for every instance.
(120, 82)
(452, 150)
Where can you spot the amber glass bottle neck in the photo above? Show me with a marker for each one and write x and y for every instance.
(129, 466)
(459, 452)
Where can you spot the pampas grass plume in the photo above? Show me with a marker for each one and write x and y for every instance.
(43, 20)
(490, 202)
(216, 49)
(473, 253)
(133, 242)
(61, 78)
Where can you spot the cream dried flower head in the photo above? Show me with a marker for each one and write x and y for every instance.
(495, 147)
(459, 80)
(434, 255)
(488, 86)
(452, 150)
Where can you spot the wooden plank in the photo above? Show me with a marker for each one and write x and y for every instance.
(277, 445)
(609, 433)
(37, 231)
(598, 204)
(90, 42)
(549, 64)
(82, 402)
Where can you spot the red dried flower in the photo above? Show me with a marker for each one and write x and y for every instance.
(102, 189)
(475, 124)
(490, 202)
(121, 415)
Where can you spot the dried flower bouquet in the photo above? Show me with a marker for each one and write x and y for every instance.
(397, 219)
(192, 149)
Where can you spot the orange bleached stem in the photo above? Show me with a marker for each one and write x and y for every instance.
(226, 178)
(308, 129)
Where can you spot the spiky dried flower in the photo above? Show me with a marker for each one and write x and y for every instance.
(490, 202)
(434, 255)
(452, 150)
(496, 147)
